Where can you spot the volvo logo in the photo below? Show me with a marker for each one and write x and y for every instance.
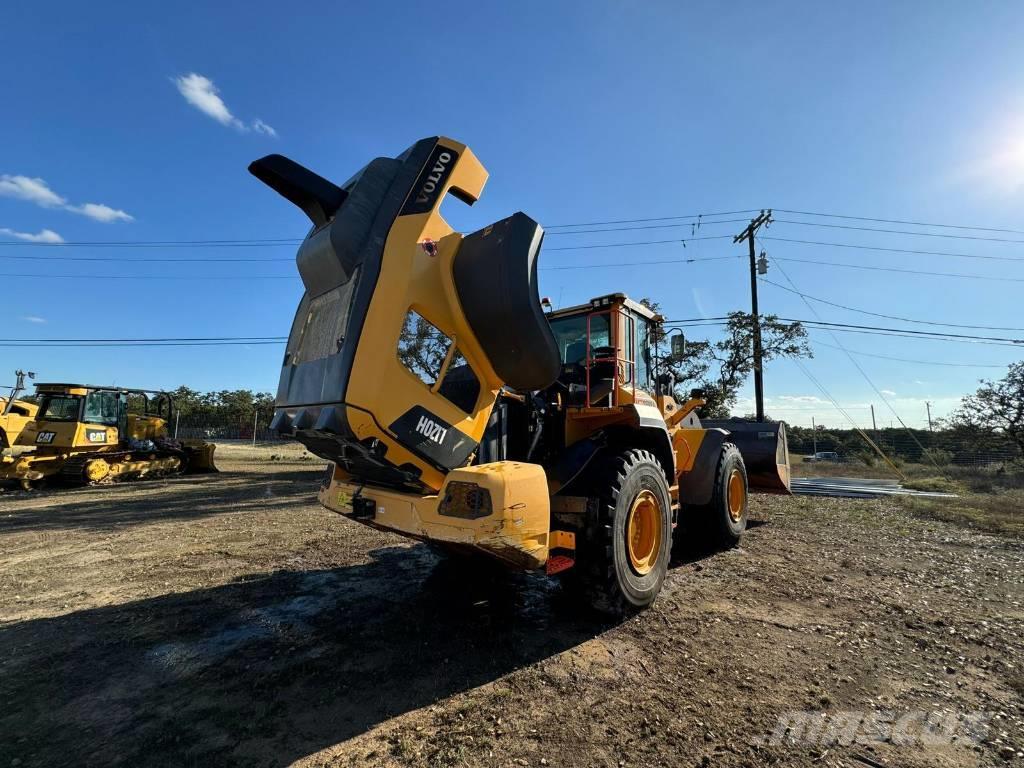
(431, 181)
(434, 178)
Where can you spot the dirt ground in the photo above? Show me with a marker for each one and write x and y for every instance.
(229, 620)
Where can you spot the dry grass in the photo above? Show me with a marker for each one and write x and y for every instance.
(989, 499)
(998, 511)
(243, 451)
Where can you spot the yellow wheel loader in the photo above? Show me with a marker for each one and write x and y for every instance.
(455, 411)
(84, 434)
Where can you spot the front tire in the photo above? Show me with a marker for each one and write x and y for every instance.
(724, 519)
(625, 558)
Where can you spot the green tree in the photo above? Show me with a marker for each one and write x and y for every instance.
(422, 347)
(997, 407)
(721, 367)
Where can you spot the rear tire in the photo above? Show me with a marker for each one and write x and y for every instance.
(723, 520)
(624, 559)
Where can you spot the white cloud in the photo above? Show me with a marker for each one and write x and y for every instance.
(34, 190)
(101, 212)
(33, 319)
(260, 127)
(43, 236)
(800, 399)
(201, 93)
(888, 392)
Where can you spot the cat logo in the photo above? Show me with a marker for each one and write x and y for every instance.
(431, 430)
(45, 437)
(96, 435)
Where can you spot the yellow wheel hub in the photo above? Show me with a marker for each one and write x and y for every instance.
(737, 495)
(644, 532)
(96, 470)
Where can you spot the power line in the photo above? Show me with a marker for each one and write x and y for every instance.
(814, 407)
(697, 216)
(901, 221)
(684, 241)
(889, 317)
(898, 231)
(827, 394)
(648, 226)
(903, 271)
(893, 250)
(873, 331)
(867, 378)
(813, 325)
(640, 263)
(853, 326)
(900, 330)
(906, 360)
(277, 242)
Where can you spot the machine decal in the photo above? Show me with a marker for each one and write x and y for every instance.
(431, 181)
(431, 430)
(45, 437)
(96, 435)
(433, 438)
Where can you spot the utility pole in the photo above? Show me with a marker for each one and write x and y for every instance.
(814, 436)
(765, 217)
(928, 407)
(874, 426)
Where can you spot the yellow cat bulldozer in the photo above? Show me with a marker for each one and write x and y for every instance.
(84, 434)
(454, 410)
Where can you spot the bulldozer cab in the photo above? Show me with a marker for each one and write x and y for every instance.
(407, 330)
(83, 416)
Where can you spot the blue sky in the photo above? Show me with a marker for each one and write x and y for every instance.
(580, 111)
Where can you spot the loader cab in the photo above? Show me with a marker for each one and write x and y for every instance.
(606, 351)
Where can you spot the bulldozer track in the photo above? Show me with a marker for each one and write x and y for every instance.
(74, 469)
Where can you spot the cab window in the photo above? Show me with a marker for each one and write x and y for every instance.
(101, 408)
(643, 357)
(423, 348)
(58, 408)
(571, 336)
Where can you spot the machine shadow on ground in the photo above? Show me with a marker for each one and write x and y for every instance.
(270, 669)
(164, 499)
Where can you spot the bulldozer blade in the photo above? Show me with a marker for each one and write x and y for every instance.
(200, 458)
(764, 450)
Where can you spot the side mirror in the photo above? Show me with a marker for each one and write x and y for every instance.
(678, 342)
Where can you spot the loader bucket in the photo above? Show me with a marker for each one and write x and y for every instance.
(764, 450)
